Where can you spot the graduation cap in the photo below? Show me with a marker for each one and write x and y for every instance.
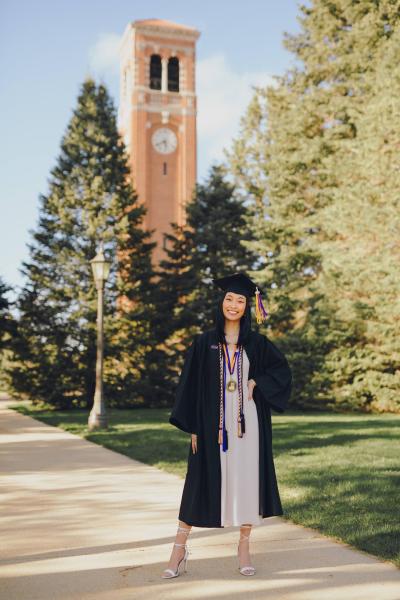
(241, 284)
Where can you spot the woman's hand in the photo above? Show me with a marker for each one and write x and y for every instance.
(194, 443)
(251, 384)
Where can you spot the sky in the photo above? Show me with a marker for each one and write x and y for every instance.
(48, 47)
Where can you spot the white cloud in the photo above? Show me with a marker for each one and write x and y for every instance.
(222, 97)
(103, 56)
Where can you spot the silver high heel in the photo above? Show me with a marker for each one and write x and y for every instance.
(247, 570)
(171, 572)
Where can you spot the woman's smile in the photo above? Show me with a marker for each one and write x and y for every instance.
(234, 306)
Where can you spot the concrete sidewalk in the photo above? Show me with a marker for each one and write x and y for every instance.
(81, 522)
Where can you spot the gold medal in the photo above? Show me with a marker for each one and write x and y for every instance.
(231, 385)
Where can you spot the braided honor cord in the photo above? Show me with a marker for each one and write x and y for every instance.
(241, 424)
(222, 433)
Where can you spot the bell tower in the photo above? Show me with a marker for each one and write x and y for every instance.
(157, 119)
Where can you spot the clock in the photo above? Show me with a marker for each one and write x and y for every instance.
(164, 140)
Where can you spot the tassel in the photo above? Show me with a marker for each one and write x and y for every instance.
(241, 426)
(261, 313)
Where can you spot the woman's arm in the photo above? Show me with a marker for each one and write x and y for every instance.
(183, 414)
(274, 379)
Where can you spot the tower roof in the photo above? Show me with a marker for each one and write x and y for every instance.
(164, 25)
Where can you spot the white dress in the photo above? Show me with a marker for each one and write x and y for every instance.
(240, 463)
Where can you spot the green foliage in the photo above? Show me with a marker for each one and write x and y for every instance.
(318, 155)
(211, 244)
(6, 320)
(90, 199)
(7, 330)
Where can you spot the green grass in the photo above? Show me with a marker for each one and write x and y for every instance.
(337, 473)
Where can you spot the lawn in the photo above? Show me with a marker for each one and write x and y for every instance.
(338, 473)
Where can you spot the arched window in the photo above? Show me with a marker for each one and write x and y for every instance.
(155, 72)
(173, 74)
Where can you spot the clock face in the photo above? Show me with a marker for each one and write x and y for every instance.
(164, 140)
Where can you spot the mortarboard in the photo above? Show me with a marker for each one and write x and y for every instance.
(241, 284)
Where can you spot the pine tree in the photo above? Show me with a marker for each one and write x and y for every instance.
(7, 330)
(213, 243)
(90, 199)
(321, 210)
(6, 320)
(363, 253)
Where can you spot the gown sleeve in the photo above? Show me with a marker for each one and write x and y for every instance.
(183, 414)
(274, 381)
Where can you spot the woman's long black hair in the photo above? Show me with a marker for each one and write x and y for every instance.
(245, 322)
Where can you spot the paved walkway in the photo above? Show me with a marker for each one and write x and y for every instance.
(81, 522)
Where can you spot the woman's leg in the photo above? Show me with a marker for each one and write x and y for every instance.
(179, 551)
(243, 551)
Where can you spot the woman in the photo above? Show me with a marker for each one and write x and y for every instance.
(231, 378)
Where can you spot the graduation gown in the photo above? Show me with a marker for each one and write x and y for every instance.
(196, 410)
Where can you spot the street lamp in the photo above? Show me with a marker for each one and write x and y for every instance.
(101, 270)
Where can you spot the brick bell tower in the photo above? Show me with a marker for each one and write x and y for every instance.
(157, 119)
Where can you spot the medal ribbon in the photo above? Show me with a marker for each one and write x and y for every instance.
(228, 360)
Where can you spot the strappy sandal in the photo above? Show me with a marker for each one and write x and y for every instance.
(168, 573)
(247, 570)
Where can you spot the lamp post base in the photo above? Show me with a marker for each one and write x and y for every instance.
(97, 421)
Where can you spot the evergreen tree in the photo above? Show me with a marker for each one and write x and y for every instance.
(214, 242)
(176, 282)
(363, 253)
(90, 199)
(6, 320)
(7, 330)
(319, 161)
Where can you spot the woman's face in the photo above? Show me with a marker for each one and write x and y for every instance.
(233, 306)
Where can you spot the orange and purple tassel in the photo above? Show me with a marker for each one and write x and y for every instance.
(261, 313)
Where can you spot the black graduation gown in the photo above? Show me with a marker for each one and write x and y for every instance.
(196, 410)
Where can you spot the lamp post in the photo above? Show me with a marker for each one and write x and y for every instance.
(101, 269)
